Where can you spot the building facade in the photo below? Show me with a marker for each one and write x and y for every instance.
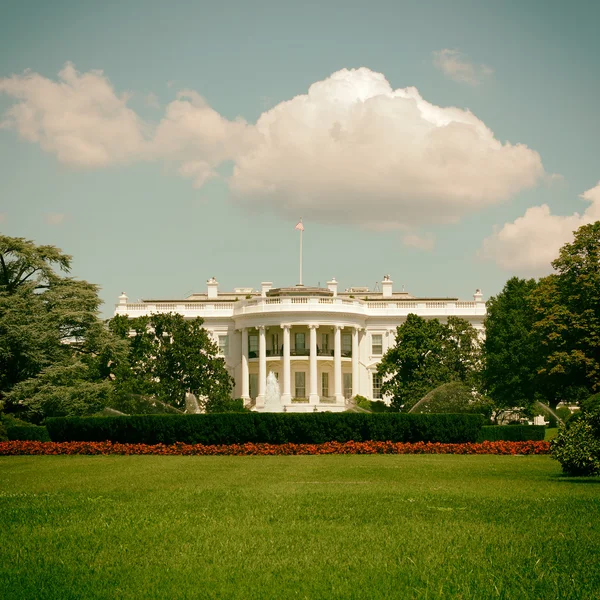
(322, 345)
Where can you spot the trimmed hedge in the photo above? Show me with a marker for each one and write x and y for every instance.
(269, 428)
(34, 433)
(511, 433)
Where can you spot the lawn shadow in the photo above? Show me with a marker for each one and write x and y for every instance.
(572, 479)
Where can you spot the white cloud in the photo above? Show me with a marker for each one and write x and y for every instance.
(55, 218)
(351, 150)
(421, 242)
(458, 67)
(531, 242)
(79, 118)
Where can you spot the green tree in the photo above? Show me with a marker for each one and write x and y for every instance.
(427, 354)
(566, 306)
(510, 352)
(168, 357)
(51, 337)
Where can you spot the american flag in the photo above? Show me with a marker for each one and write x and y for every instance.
(299, 226)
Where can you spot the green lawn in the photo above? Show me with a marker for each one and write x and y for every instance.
(297, 527)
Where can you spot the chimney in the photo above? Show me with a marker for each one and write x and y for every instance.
(213, 287)
(386, 286)
(332, 286)
(123, 299)
(478, 296)
(265, 286)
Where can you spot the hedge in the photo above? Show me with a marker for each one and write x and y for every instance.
(269, 428)
(511, 433)
(34, 433)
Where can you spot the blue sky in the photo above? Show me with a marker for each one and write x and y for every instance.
(199, 147)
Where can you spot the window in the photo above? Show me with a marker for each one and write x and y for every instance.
(347, 385)
(325, 385)
(252, 345)
(275, 344)
(300, 341)
(325, 342)
(346, 344)
(224, 345)
(253, 381)
(300, 379)
(376, 387)
(376, 344)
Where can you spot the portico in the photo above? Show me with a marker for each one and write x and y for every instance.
(322, 345)
(323, 357)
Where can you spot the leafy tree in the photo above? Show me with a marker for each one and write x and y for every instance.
(510, 352)
(427, 354)
(566, 305)
(168, 357)
(52, 342)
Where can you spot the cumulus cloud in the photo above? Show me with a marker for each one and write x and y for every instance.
(351, 150)
(55, 218)
(531, 242)
(458, 67)
(421, 242)
(355, 150)
(79, 118)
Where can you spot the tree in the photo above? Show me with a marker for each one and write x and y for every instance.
(168, 357)
(566, 306)
(52, 342)
(510, 352)
(427, 354)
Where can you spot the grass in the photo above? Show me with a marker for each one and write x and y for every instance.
(550, 433)
(296, 527)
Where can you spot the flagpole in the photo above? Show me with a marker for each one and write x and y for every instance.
(301, 231)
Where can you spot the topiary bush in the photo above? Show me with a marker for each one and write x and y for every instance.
(273, 428)
(454, 397)
(577, 447)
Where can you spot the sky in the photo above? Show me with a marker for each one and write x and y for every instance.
(449, 144)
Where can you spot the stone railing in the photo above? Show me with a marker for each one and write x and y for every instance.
(307, 304)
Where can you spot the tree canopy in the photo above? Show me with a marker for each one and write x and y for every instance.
(168, 357)
(510, 352)
(427, 354)
(566, 307)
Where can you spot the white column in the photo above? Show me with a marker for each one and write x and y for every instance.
(355, 386)
(337, 364)
(286, 396)
(314, 389)
(245, 376)
(262, 367)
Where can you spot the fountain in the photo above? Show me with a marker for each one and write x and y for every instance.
(272, 395)
(547, 409)
(191, 404)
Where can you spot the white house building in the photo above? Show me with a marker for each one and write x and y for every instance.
(323, 345)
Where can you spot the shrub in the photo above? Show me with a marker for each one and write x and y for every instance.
(34, 433)
(228, 405)
(454, 397)
(272, 428)
(577, 448)
(591, 404)
(511, 433)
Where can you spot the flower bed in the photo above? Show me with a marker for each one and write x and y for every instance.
(14, 448)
